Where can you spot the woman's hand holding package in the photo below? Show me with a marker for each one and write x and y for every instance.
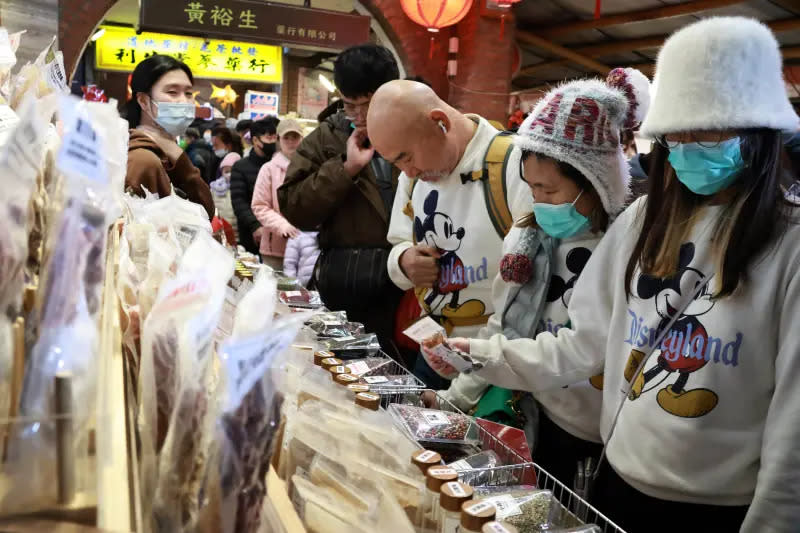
(438, 364)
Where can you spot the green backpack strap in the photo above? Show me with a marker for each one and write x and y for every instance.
(492, 175)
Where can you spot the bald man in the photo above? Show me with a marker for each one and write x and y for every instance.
(446, 244)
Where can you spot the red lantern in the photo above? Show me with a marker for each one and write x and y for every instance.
(436, 14)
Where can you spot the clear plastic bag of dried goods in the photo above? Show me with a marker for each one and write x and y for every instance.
(327, 316)
(484, 459)
(68, 307)
(429, 425)
(330, 329)
(249, 420)
(353, 346)
(175, 387)
(529, 509)
(302, 298)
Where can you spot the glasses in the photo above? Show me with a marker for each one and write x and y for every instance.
(710, 139)
(352, 108)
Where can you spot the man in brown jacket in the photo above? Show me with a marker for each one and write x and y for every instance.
(337, 184)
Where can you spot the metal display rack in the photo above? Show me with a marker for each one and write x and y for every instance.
(574, 510)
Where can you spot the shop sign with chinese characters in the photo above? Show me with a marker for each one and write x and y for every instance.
(121, 49)
(257, 22)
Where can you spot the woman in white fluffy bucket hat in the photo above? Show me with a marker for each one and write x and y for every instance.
(689, 304)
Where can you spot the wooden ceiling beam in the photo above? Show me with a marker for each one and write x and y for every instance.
(630, 45)
(562, 51)
(792, 6)
(674, 10)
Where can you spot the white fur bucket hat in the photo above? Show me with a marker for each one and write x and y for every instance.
(716, 74)
(579, 123)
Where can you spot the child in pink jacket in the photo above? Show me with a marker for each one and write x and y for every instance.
(265, 196)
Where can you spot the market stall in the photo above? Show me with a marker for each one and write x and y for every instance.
(157, 379)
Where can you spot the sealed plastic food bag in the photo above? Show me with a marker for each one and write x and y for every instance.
(69, 309)
(353, 346)
(301, 298)
(528, 510)
(250, 418)
(327, 329)
(427, 425)
(485, 459)
(175, 382)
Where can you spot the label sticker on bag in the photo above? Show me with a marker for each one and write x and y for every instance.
(506, 506)
(358, 368)
(423, 329)
(81, 151)
(372, 380)
(435, 418)
(461, 465)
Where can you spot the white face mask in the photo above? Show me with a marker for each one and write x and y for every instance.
(222, 152)
(207, 137)
(174, 117)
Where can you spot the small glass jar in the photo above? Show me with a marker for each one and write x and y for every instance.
(345, 379)
(368, 400)
(476, 513)
(424, 459)
(435, 477)
(320, 355)
(452, 496)
(498, 527)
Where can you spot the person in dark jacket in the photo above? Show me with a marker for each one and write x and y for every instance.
(338, 185)
(263, 134)
(199, 151)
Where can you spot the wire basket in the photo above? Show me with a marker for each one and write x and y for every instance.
(574, 510)
(488, 440)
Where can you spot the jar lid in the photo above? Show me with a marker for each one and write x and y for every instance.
(453, 494)
(368, 400)
(330, 361)
(435, 476)
(475, 513)
(425, 458)
(338, 369)
(357, 387)
(320, 355)
(498, 527)
(344, 379)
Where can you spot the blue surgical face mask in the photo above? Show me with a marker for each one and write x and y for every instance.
(174, 117)
(560, 221)
(705, 170)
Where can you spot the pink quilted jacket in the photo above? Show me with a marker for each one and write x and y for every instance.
(265, 205)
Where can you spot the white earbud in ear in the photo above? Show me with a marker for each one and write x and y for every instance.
(444, 128)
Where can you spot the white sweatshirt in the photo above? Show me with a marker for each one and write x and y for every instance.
(458, 224)
(576, 408)
(731, 437)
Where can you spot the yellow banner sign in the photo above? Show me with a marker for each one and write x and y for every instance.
(121, 49)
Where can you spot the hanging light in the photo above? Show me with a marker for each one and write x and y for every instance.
(436, 14)
(328, 84)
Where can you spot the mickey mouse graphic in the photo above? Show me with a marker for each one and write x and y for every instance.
(677, 351)
(438, 231)
(560, 289)
(576, 261)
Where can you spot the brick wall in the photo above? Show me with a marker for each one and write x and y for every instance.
(413, 42)
(76, 22)
(484, 66)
